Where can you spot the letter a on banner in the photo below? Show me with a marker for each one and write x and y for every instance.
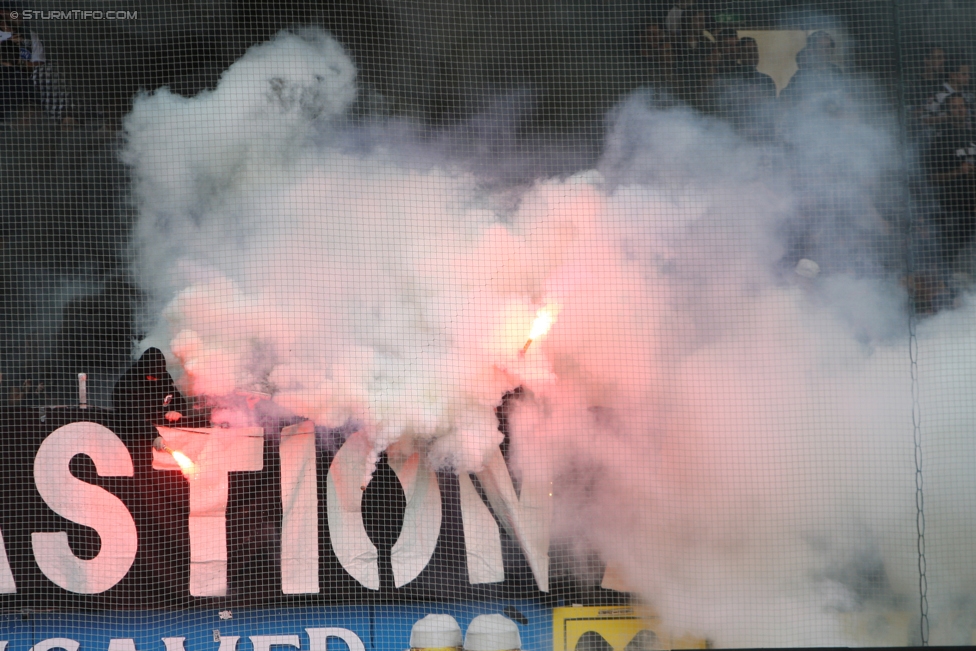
(87, 505)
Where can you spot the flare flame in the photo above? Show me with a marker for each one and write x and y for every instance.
(544, 319)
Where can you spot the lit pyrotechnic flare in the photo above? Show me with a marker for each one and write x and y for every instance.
(181, 459)
(543, 321)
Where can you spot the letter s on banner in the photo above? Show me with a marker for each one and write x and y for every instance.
(87, 505)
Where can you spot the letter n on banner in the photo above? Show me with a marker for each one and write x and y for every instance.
(526, 517)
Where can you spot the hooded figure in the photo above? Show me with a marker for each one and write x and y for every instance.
(146, 392)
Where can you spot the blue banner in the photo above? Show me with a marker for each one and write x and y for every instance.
(337, 628)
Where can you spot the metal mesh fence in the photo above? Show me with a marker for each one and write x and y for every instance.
(555, 325)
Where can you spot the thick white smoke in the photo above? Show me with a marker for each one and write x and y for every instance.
(735, 441)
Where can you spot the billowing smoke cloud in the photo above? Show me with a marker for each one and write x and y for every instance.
(733, 440)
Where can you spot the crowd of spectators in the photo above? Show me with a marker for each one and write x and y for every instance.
(694, 58)
(940, 109)
(709, 68)
(27, 79)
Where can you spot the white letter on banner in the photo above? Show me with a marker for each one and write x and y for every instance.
(228, 642)
(3, 645)
(300, 510)
(57, 642)
(87, 505)
(265, 642)
(347, 474)
(216, 452)
(174, 643)
(122, 644)
(526, 518)
(318, 638)
(482, 539)
(421, 519)
(7, 584)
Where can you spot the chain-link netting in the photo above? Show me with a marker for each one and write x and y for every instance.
(555, 325)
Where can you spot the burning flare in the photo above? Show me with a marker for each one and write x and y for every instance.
(544, 319)
(183, 461)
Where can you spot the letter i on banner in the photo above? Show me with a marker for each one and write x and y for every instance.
(300, 510)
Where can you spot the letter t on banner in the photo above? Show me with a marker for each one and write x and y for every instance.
(300, 510)
(215, 452)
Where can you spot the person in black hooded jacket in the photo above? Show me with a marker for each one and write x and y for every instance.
(146, 392)
(146, 396)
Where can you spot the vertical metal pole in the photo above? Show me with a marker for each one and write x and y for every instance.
(912, 338)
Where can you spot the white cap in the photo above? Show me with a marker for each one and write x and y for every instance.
(492, 633)
(435, 632)
(807, 268)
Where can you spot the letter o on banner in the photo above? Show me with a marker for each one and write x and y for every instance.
(56, 643)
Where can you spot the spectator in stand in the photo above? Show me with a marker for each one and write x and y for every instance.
(47, 86)
(674, 23)
(15, 86)
(692, 38)
(695, 60)
(745, 96)
(927, 81)
(748, 69)
(816, 74)
(657, 53)
(957, 82)
(727, 43)
(951, 167)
